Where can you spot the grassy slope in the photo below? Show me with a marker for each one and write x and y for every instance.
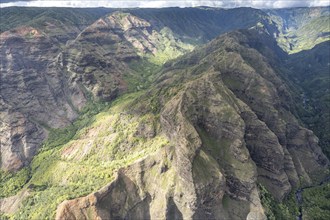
(82, 158)
(40, 175)
(48, 188)
(314, 32)
(301, 28)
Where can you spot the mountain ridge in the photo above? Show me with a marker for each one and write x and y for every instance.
(181, 115)
(189, 118)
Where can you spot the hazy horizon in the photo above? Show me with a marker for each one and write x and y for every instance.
(261, 4)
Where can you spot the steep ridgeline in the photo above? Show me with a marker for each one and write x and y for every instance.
(227, 116)
(200, 25)
(301, 28)
(13, 17)
(53, 59)
(46, 75)
(101, 55)
(197, 25)
(295, 29)
(35, 92)
(198, 138)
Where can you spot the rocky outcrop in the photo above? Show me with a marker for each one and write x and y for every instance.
(294, 27)
(224, 107)
(206, 173)
(100, 56)
(48, 73)
(35, 94)
(263, 90)
(11, 204)
(230, 126)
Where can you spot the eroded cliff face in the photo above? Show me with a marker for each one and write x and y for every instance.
(227, 115)
(48, 73)
(214, 124)
(294, 27)
(101, 56)
(188, 179)
(35, 94)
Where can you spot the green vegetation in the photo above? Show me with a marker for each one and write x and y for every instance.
(203, 166)
(36, 17)
(169, 48)
(4, 216)
(309, 72)
(220, 148)
(60, 136)
(42, 204)
(311, 34)
(301, 28)
(83, 157)
(199, 25)
(11, 183)
(142, 76)
(287, 209)
(316, 203)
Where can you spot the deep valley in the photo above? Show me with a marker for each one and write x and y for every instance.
(169, 113)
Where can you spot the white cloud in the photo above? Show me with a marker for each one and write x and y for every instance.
(167, 3)
(319, 3)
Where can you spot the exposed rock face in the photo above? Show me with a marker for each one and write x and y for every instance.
(230, 125)
(203, 24)
(224, 108)
(261, 88)
(35, 94)
(294, 27)
(97, 57)
(250, 76)
(12, 204)
(210, 147)
(100, 55)
(43, 85)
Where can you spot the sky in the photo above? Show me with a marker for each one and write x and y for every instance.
(164, 3)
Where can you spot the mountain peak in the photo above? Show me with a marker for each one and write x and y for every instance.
(121, 20)
(127, 21)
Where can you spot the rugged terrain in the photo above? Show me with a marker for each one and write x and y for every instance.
(301, 28)
(136, 124)
(55, 75)
(213, 117)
